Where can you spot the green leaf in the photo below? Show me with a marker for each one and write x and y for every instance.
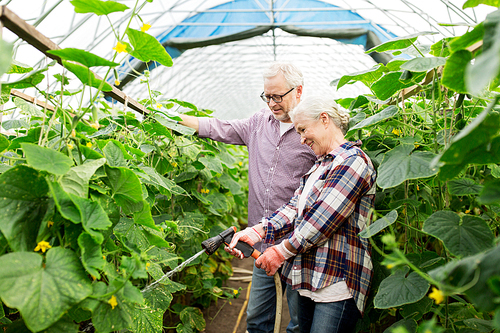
(212, 163)
(93, 217)
(86, 76)
(418, 309)
(475, 3)
(106, 319)
(76, 181)
(64, 204)
(219, 205)
(423, 64)
(92, 258)
(4, 143)
(143, 217)
(462, 236)
(147, 320)
(147, 48)
(126, 188)
(105, 131)
(399, 289)
(367, 76)
(193, 318)
(490, 193)
(130, 233)
(158, 297)
(399, 42)
(65, 324)
(156, 238)
(63, 79)
(390, 83)
(83, 57)
(32, 80)
(46, 159)
(176, 127)
(399, 164)
(191, 224)
(379, 225)
(114, 155)
(23, 203)
(98, 7)
(464, 186)
(408, 324)
(386, 113)
(454, 71)
(15, 123)
(5, 56)
(230, 184)
(467, 39)
(17, 67)
(28, 108)
(42, 292)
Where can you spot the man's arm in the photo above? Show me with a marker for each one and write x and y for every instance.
(190, 121)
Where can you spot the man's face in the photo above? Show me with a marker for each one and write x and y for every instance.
(277, 86)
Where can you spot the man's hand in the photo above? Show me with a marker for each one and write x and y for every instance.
(272, 259)
(249, 235)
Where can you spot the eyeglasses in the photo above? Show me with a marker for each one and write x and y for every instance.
(275, 98)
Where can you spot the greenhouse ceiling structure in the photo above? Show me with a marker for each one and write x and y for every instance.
(220, 48)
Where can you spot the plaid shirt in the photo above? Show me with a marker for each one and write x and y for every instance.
(326, 234)
(275, 162)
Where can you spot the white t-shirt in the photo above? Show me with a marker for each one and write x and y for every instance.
(337, 291)
(284, 127)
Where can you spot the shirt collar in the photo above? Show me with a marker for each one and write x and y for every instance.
(345, 146)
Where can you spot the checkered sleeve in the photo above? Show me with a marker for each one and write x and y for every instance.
(344, 184)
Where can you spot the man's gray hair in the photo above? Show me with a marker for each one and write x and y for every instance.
(312, 106)
(293, 75)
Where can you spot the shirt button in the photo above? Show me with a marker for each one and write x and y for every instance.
(267, 190)
(272, 169)
(277, 148)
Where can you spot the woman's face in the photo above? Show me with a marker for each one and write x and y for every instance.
(313, 133)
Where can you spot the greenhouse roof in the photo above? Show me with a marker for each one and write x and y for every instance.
(220, 48)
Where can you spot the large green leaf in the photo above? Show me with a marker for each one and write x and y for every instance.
(98, 7)
(398, 43)
(93, 217)
(14, 124)
(386, 113)
(126, 187)
(33, 79)
(212, 163)
(17, 67)
(454, 71)
(65, 324)
(463, 186)
(467, 39)
(164, 185)
(462, 236)
(219, 205)
(176, 127)
(42, 290)
(147, 320)
(490, 193)
(423, 64)
(114, 155)
(391, 83)
(367, 76)
(409, 325)
(147, 48)
(64, 204)
(46, 159)
(379, 224)
(400, 288)
(158, 297)
(23, 203)
(76, 181)
(83, 57)
(5, 56)
(4, 143)
(86, 76)
(193, 318)
(399, 164)
(144, 217)
(475, 3)
(191, 224)
(28, 108)
(92, 258)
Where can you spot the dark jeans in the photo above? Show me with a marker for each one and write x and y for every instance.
(334, 317)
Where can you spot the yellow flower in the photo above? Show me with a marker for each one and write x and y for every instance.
(240, 163)
(418, 188)
(467, 211)
(73, 133)
(120, 48)
(145, 27)
(93, 277)
(174, 165)
(147, 265)
(396, 132)
(207, 191)
(104, 257)
(112, 301)
(390, 266)
(117, 82)
(416, 145)
(70, 146)
(42, 246)
(89, 144)
(50, 224)
(437, 295)
(94, 125)
(235, 292)
(158, 105)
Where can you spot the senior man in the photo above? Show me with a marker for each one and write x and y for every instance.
(277, 160)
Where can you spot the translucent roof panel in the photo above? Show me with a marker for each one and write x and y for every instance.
(227, 77)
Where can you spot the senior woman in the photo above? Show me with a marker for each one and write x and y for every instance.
(324, 258)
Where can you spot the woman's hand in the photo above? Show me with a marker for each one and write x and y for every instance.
(249, 235)
(273, 258)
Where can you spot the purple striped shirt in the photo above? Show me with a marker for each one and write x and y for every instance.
(276, 163)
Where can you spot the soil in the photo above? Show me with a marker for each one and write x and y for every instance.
(222, 317)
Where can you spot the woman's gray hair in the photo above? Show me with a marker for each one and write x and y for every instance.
(293, 75)
(312, 106)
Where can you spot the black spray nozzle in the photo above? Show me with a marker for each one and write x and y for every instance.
(212, 244)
